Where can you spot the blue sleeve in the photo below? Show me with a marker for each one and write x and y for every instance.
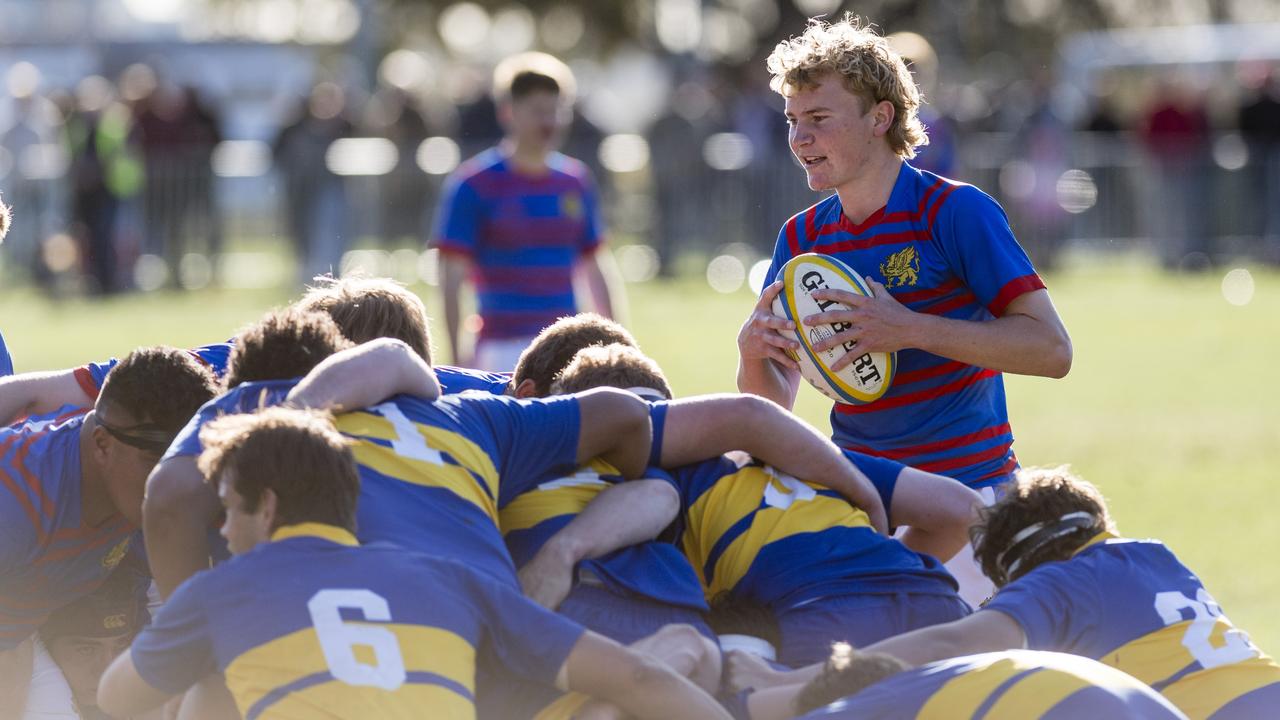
(187, 442)
(530, 641)
(454, 380)
(658, 419)
(176, 649)
(532, 438)
(781, 254)
(882, 472)
(215, 356)
(6, 361)
(594, 232)
(974, 236)
(1055, 606)
(92, 375)
(458, 220)
(241, 399)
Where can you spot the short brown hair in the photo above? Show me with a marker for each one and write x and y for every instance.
(283, 345)
(1043, 496)
(619, 366)
(370, 308)
(556, 345)
(521, 75)
(847, 672)
(157, 386)
(869, 67)
(297, 454)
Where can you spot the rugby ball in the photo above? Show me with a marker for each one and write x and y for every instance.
(862, 381)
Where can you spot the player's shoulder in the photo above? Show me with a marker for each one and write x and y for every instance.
(805, 222)
(570, 167)
(949, 196)
(476, 167)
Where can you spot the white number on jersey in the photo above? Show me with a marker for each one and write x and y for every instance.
(1206, 611)
(783, 490)
(409, 441)
(338, 639)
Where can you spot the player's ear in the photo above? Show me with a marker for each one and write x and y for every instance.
(268, 506)
(882, 115)
(526, 389)
(101, 443)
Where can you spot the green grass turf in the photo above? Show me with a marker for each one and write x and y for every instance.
(1170, 407)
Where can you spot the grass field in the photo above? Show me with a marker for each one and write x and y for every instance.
(1170, 406)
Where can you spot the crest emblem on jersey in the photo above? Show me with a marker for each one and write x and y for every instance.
(571, 205)
(901, 268)
(114, 622)
(113, 558)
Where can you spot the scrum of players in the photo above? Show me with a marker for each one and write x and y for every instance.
(333, 526)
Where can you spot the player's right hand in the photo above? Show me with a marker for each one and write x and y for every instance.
(762, 336)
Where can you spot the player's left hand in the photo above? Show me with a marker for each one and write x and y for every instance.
(548, 577)
(878, 323)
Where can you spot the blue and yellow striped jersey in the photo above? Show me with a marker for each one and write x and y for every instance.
(1011, 685)
(655, 570)
(433, 474)
(48, 556)
(767, 537)
(1132, 605)
(311, 625)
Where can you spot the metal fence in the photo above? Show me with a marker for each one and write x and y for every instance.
(682, 196)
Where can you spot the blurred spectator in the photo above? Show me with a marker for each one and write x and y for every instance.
(31, 162)
(392, 114)
(315, 198)
(676, 141)
(1176, 134)
(1042, 143)
(105, 172)
(1259, 120)
(177, 137)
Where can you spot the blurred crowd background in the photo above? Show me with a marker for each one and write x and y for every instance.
(180, 143)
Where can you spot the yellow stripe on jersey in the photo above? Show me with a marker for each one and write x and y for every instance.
(338, 701)
(1158, 656)
(1202, 694)
(798, 509)
(566, 707)
(961, 696)
(564, 496)
(455, 478)
(298, 655)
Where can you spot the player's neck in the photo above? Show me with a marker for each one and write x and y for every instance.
(525, 159)
(95, 504)
(870, 191)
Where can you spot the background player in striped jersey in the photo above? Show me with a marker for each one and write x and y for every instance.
(276, 621)
(6, 362)
(954, 293)
(1011, 685)
(72, 493)
(757, 535)
(521, 220)
(1068, 584)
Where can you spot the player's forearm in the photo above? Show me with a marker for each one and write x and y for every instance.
(621, 516)
(177, 512)
(39, 393)
(602, 288)
(1015, 343)
(775, 703)
(937, 511)
(453, 273)
(650, 690)
(614, 426)
(764, 378)
(366, 375)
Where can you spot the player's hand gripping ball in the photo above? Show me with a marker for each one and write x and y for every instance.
(862, 381)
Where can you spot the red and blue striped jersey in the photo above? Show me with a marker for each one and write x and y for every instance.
(48, 557)
(524, 234)
(943, 248)
(1010, 685)
(1132, 605)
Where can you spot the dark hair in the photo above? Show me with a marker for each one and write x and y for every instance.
(615, 365)
(159, 389)
(732, 615)
(529, 82)
(370, 308)
(556, 345)
(845, 673)
(297, 454)
(1069, 509)
(285, 344)
(117, 607)
(522, 75)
